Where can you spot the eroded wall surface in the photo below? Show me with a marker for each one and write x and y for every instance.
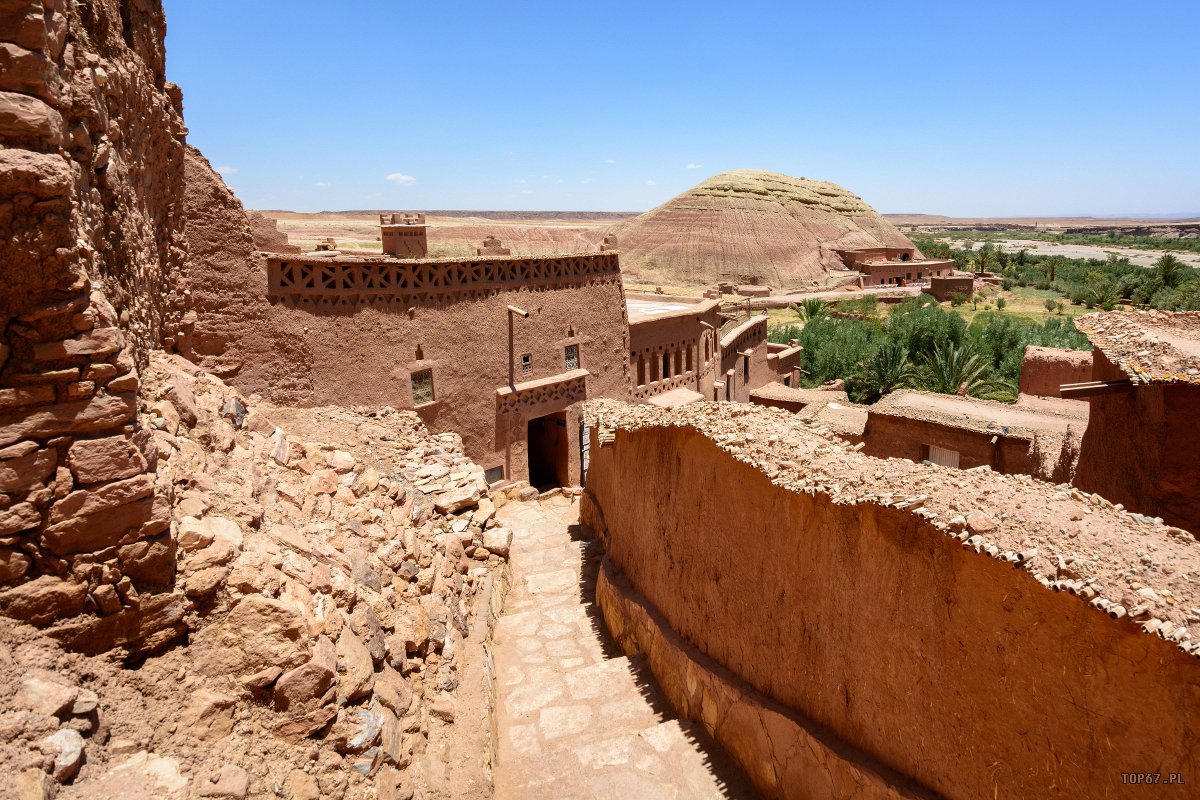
(871, 623)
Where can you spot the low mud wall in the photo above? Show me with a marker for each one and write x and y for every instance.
(911, 654)
(1044, 369)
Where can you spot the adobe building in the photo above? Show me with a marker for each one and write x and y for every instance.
(404, 235)
(893, 266)
(499, 349)
(944, 287)
(683, 349)
(492, 247)
(1141, 446)
(966, 432)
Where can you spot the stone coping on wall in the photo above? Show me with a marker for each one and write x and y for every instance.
(1132, 568)
(1149, 346)
(783, 754)
(980, 416)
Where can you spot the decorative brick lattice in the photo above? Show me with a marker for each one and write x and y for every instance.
(558, 394)
(334, 284)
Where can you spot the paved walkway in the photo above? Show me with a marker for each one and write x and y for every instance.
(578, 720)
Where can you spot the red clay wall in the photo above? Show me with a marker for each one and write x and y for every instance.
(1140, 448)
(946, 666)
(1044, 369)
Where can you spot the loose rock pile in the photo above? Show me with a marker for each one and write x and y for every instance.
(1128, 566)
(326, 598)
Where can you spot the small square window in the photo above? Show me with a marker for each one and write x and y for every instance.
(572, 356)
(494, 474)
(527, 364)
(422, 387)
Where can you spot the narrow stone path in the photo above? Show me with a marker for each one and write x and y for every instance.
(576, 718)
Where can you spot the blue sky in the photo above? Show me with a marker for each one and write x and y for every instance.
(954, 108)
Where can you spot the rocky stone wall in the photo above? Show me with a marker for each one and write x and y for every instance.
(896, 623)
(91, 226)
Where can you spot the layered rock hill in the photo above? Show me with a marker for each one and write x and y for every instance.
(752, 226)
(331, 607)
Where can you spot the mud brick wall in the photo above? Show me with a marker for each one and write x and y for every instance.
(868, 624)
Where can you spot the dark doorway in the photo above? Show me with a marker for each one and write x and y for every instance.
(548, 442)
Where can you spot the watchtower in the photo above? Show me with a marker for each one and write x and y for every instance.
(404, 235)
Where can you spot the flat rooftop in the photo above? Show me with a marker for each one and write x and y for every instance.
(1149, 346)
(644, 309)
(982, 416)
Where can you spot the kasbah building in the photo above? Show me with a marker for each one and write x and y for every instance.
(504, 349)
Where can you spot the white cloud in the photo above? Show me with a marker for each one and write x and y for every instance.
(694, 166)
(401, 179)
(520, 181)
(651, 183)
(227, 170)
(320, 184)
(611, 161)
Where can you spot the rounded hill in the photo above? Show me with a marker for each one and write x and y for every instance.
(752, 226)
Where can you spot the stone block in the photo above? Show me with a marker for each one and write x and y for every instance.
(84, 534)
(97, 343)
(14, 564)
(149, 561)
(27, 396)
(24, 118)
(78, 417)
(259, 632)
(302, 686)
(102, 498)
(43, 600)
(498, 541)
(208, 715)
(24, 472)
(456, 499)
(109, 459)
(21, 517)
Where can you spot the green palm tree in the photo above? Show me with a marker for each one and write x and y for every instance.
(1171, 270)
(949, 367)
(985, 257)
(811, 308)
(995, 389)
(887, 370)
(1103, 294)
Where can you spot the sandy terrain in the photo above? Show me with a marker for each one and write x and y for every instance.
(452, 236)
(1135, 255)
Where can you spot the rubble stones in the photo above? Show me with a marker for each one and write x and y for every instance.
(259, 632)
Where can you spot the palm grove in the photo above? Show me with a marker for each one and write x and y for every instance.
(922, 345)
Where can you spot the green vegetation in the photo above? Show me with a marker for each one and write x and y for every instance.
(1112, 238)
(1093, 283)
(922, 345)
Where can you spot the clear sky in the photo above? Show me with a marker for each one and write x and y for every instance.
(962, 108)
